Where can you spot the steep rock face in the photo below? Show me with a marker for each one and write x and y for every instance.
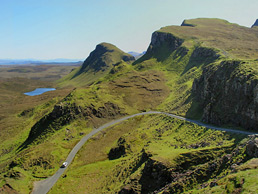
(255, 23)
(228, 95)
(252, 146)
(103, 57)
(163, 44)
(159, 39)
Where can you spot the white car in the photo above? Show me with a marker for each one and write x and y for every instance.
(64, 164)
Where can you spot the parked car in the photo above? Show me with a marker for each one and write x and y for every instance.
(64, 164)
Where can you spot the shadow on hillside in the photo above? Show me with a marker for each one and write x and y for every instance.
(39, 131)
(195, 111)
(201, 57)
(161, 53)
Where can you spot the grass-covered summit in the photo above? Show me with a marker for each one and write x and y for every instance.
(103, 57)
(231, 40)
(98, 64)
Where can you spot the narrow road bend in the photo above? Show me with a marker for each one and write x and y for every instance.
(42, 187)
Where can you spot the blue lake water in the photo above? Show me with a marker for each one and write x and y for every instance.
(39, 91)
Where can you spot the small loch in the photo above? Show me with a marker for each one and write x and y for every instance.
(39, 91)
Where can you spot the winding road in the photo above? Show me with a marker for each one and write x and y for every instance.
(42, 187)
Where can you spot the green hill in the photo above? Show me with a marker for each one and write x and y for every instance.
(97, 65)
(205, 69)
(231, 40)
(208, 61)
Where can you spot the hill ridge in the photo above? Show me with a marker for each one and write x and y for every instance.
(205, 70)
(100, 61)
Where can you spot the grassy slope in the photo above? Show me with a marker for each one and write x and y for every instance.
(232, 40)
(180, 71)
(45, 158)
(14, 83)
(161, 81)
(97, 65)
(13, 101)
(228, 41)
(168, 141)
(14, 128)
(244, 180)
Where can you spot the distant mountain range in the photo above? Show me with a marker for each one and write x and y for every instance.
(136, 54)
(35, 61)
(60, 60)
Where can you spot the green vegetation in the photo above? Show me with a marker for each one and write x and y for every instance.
(18, 113)
(135, 144)
(144, 154)
(244, 180)
(232, 40)
(97, 65)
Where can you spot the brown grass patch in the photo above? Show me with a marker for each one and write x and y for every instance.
(141, 90)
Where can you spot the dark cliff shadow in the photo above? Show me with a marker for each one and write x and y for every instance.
(196, 110)
(201, 57)
(38, 131)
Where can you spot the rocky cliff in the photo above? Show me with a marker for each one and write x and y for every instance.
(228, 93)
(160, 39)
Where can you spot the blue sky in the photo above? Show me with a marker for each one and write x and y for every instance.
(49, 29)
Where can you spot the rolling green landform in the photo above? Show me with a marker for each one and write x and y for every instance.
(205, 69)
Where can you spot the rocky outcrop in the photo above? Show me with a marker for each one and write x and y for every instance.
(255, 23)
(228, 94)
(160, 39)
(63, 109)
(27, 112)
(181, 180)
(252, 146)
(156, 173)
(119, 150)
(157, 177)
